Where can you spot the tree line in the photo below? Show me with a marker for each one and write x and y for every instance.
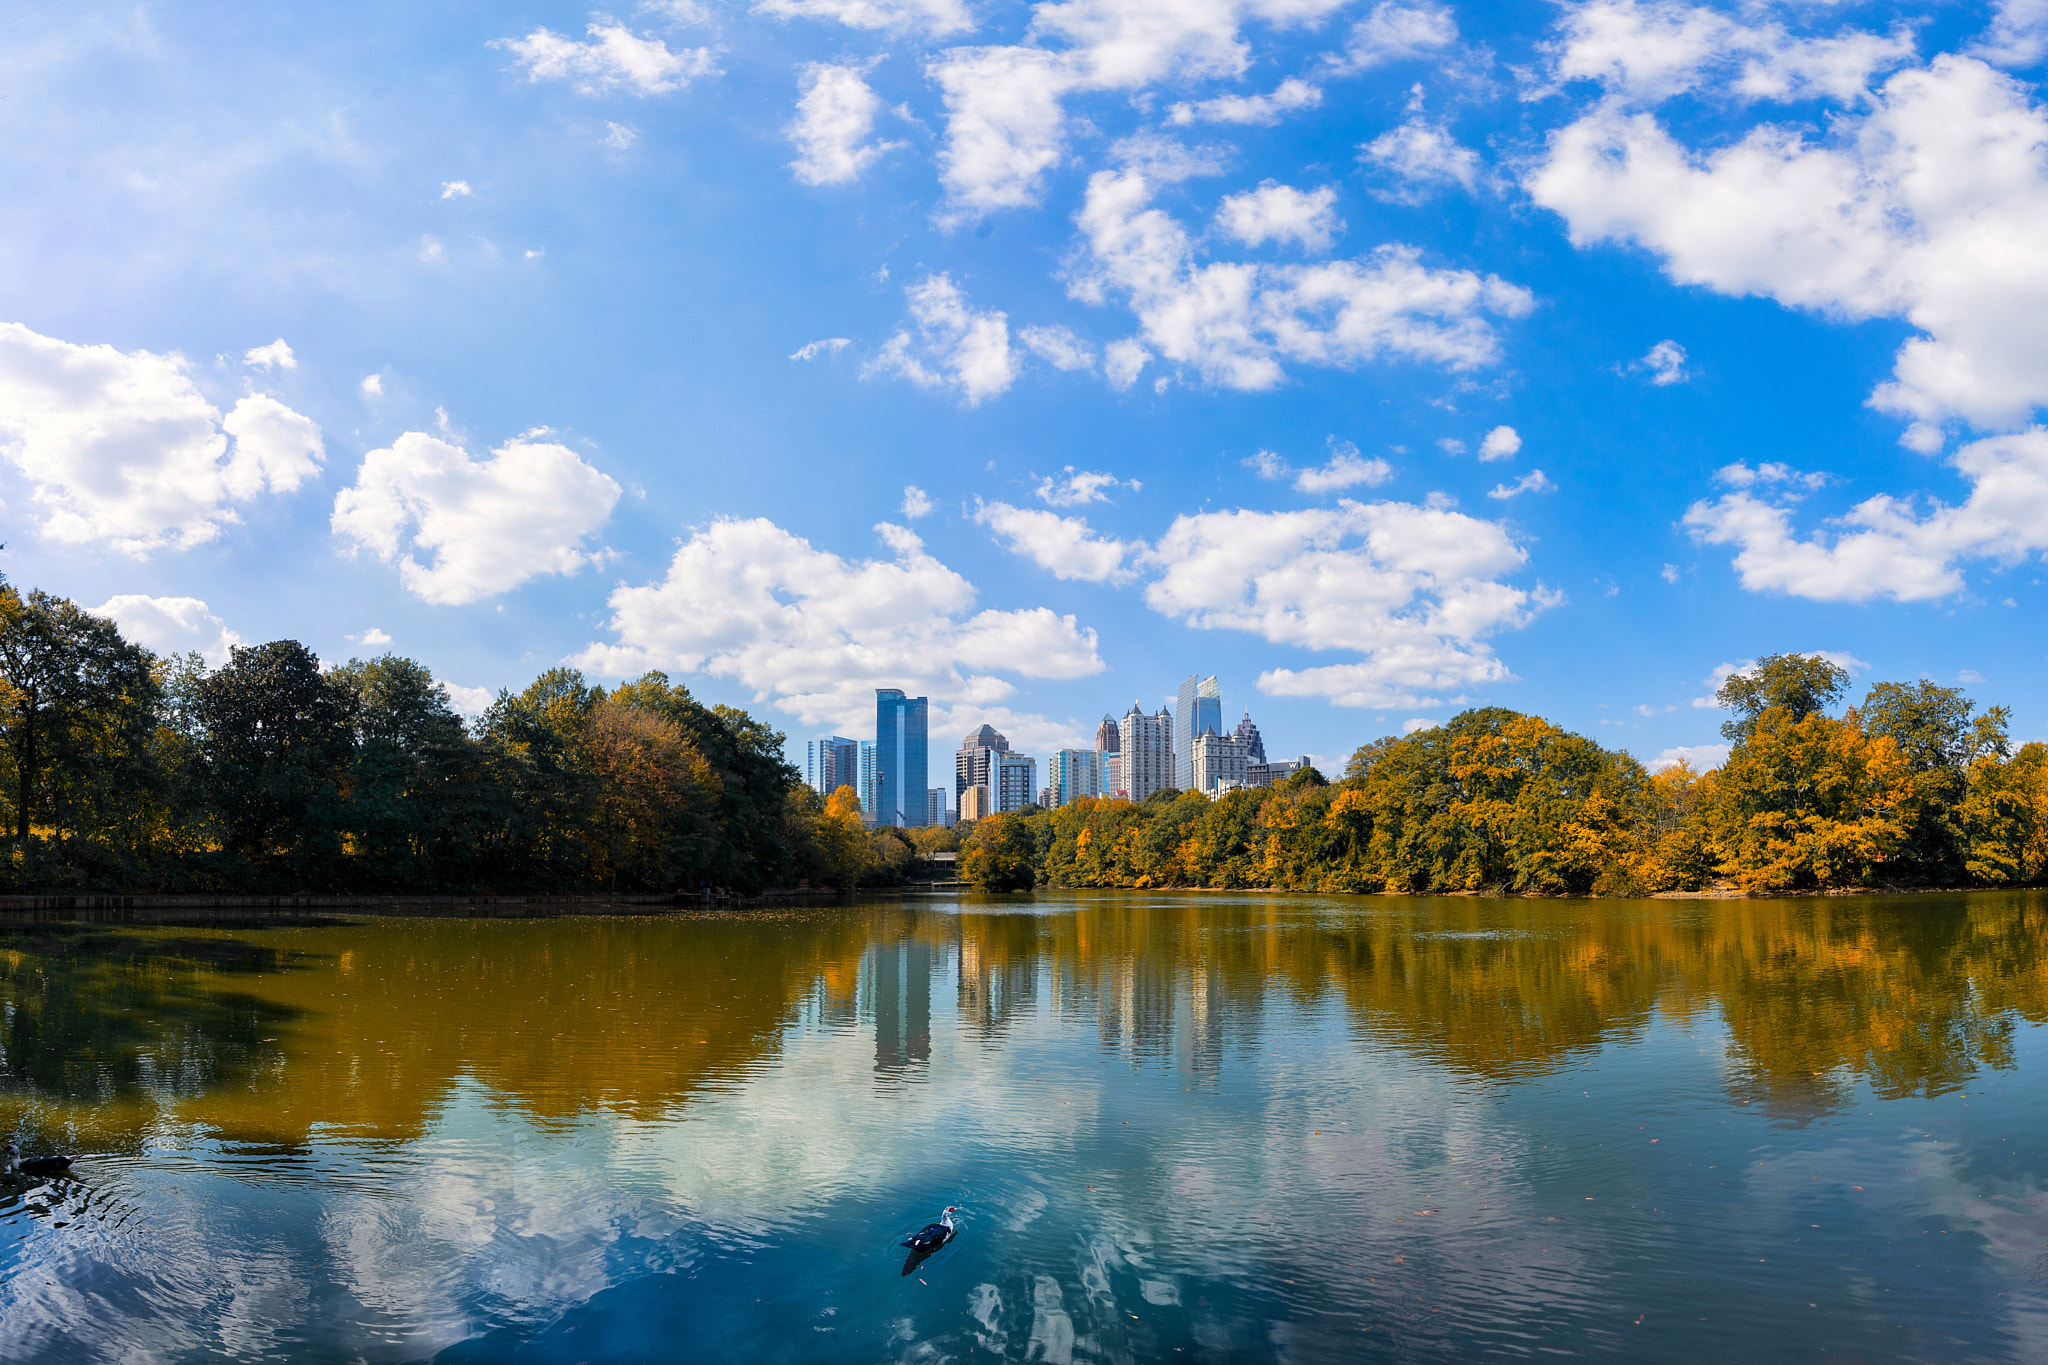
(1911, 788)
(130, 771)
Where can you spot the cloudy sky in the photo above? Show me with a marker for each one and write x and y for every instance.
(1382, 358)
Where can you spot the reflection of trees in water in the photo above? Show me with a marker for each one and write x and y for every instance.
(368, 1027)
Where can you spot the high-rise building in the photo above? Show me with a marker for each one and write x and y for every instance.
(1109, 759)
(1146, 744)
(1201, 712)
(1218, 763)
(1106, 738)
(975, 803)
(1076, 774)
(935, 812)
(1112, 774)
(1016, 782)
(1254, 746)
(900, 745)
(832, 763)
(975, 764)
(1274, 773)
(870, 794)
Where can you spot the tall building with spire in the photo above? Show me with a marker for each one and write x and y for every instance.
(1109, 758)
(1146, 745)
(975, 763)
(1254, 746)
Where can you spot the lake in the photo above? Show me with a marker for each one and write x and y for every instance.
(1179, 1126)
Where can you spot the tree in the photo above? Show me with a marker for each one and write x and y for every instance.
(1001, 856)
(1807, 801)
(1800, 685)
(276, 736)
(1939, 740)
(654, 797)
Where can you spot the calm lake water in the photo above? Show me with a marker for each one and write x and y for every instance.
(1181, 1127)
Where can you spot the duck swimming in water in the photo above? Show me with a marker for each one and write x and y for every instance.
(35, 1165)
(932, 1236)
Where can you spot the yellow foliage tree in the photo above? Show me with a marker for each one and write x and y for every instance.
(1808, 802)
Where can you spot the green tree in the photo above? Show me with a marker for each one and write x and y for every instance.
(1940, 738)
(1800, 685)
(1002, 854)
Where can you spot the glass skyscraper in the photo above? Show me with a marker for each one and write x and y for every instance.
(900, 752)
(1200, 711)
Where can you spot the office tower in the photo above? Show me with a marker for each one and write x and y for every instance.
(1201, 712)
(1076, 774)
(1109, 759)
(1106, 738)
(900, 742)
(935, 807)
(1146, 744)
(870, 797)
(1218, 763)
(1016, 782)
(975, 763)
(832, 763)
(1112, 767)
(975, 803)
(1254, 746)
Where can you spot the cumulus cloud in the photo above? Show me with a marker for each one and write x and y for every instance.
(811, 350)
(1395, 32)
(1067, 546)
(1413, 589)
(1532, 482)
(468, 701)
(373, 385)
(455, 189)
(954, 348)
(1235, 323)
(613, 58)
(1072, 488)
(121, 447)
(373, 638)
(1921, 201)
(1424, 157)
(1346, 468)
(916, 503)
(482, 526)
(1886, 546)
(1502, 443)
(1665, 363)
(276, 355)
(1058, 347)
(834, 116)
(2018, 36)
(1703, 757)
(815, 634)
(1258, 110)
(618, 137)
(170, 625)
(935, 17)
(1281, 213)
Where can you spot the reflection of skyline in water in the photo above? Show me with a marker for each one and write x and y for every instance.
(1220, 1118)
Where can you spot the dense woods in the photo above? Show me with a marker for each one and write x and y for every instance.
(125, 771)
(1911, 788)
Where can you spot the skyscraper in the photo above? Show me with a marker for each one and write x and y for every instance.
(832, 763)
(1218, 763)
(1146, 743)
(868, 786)
(1076, 774)
(1201, 712)
(900, 745)
(974, 765)
(1254, 746)
(1016, 782)
(1109, 758)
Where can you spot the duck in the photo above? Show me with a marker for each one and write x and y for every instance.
(35, 1165)
(932, 1236)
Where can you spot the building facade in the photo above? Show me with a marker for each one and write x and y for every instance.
(1201, 712)
(1146, 745)
(935, 811)
(870, 798)
(975, 803)
(900, 747)
(1274, 773)
(1218, 762)
(1112, 766)
(832, 763)
(1016, 782)
(1076, 774)
(974, 765)
(1254, 746)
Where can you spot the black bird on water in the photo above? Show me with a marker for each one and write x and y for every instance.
(929, 1238)
(35, 1165)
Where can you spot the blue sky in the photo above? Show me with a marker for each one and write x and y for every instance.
(1381, 358)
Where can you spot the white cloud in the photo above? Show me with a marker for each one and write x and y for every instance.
(1797, 482)
(276, 355)
(431, 250)
(1703, 757)
(1884, 546)
(614, 58)
(618, 137)
(1068, 546)
(1258, 110)
(1426, 158)
(452, 189)
(2018, 36)
(1281, 213)
(122, 447)
(1670, 573)
(955, 348)
(935, 17)
(1416, 723)
(916, 503)
(1058, 347)
(467, 701)
(1395, 32)
(1923, 205)
(1969, 676)
(811, 350)
(1344, 469)
(1123, 360)
(170, 625)
(1235, 322)
(1532, 482)
(1502, 443)
(815, 634)
(373, 638)
(1450, 445)
(1077, 489)
(1414, 589)
(1268, 465)
(373, 385)
(1666, 363)
(834, 116)
(485, 526)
